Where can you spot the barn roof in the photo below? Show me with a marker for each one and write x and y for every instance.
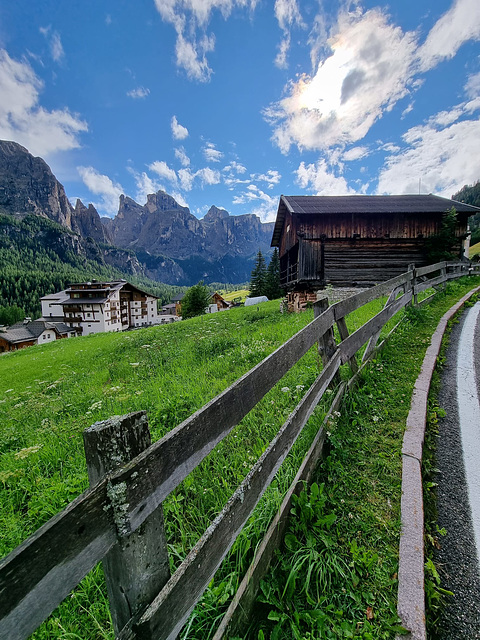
(360, 204)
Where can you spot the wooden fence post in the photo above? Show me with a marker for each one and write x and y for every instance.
(326, 344)
(137, 567)
(413, 283)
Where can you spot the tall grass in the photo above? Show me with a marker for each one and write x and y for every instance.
(49, 394)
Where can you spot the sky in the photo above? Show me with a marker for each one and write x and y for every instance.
(234, 102)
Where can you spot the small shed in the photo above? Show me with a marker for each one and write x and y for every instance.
(358, 240)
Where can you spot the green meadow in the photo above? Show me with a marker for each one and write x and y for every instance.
(49, 394)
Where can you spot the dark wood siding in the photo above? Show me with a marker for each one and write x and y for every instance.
(368, 226)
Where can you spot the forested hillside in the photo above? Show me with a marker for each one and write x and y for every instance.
(37, 257)
(471, 195)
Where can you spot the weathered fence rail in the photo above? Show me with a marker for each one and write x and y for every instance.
(41, 572)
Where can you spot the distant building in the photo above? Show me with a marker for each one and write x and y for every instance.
(95, 307)
(218, 300)
(28, 333)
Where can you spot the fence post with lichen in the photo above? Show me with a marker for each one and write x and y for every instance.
(137, 567)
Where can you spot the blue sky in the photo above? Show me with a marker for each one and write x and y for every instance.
(234, 102)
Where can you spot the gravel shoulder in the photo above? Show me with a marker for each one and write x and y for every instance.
(456, 560)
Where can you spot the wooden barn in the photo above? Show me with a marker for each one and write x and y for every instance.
(358, 240)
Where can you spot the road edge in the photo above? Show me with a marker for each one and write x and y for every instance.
(411, 587)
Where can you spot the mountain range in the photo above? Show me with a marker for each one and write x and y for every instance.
(161, 239)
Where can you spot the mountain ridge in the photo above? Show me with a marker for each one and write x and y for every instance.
(171, 244)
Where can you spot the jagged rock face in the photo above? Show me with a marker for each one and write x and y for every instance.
(164, 227)
(89, 223)
(27, 185)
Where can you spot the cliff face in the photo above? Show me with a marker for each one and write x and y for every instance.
(27, 185)
(163, 227)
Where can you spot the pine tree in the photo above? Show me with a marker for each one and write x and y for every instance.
(273, 289)
(258, 277)
(195, 301)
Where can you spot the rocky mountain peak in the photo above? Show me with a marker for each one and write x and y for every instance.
(214, 213)
(89, 223)
(162, 201)
(27, 185)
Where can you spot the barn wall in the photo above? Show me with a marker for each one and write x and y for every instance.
(368, 226)
(360, 261)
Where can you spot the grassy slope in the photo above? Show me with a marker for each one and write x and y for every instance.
(49, 394)
(474, 249)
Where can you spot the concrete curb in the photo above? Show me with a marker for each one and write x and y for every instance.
(411, 588)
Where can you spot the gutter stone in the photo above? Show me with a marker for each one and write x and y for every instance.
(411, 587)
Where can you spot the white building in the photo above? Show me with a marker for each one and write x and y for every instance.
(94, 307)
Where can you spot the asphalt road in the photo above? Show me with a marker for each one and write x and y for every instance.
(458, 462)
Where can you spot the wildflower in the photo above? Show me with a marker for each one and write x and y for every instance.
(134, 364)
(96, 405)
(300, 387)
(285, 389)
(376, 418)
(24, 453)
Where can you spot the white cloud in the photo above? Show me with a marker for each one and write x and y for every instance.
(368, 70)
(145, 185)
(189, 17)
(23, 120)
(181, 156)
(319, 179)
(162, 169)
(441, 154)
(138, 93)
(55, 43)
(458, 25)
(272, 177)
(191, 55)
(288, 15)
(103, 186)
(211, 153)
(355, 153)
(236, 167)
(264, 205)
(208, 176)
(179, 132)
(186, 178)
(472, 88)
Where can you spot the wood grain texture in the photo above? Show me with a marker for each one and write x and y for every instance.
(137, 567)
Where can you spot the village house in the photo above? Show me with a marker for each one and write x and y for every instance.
(217, 303)
(28, 333)
(94, 307)
(358, 240)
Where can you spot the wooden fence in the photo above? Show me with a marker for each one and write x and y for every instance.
(120, 519)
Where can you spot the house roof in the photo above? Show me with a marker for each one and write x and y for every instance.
(24, 332)
(360, 204)
(105, 289)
